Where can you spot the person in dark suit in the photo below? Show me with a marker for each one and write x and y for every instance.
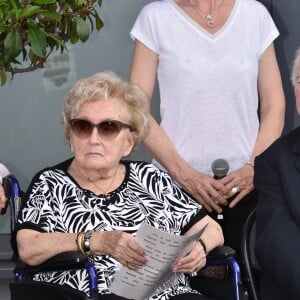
(277, 180)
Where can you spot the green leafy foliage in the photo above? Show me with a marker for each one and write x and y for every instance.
(32, 29)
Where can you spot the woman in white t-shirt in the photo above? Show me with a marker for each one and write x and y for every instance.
(216, 68)
(3, 172)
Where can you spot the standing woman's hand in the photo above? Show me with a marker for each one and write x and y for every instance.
(211, 193)
(241, 180)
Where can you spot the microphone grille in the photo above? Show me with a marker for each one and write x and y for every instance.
(220, 167)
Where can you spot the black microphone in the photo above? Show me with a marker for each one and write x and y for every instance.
(220, 169)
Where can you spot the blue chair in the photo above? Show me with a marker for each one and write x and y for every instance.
(74, 260)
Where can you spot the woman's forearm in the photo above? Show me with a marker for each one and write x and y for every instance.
(163, 150)
(272, 102)
(212, 235)
(35, 247)
(271, 126)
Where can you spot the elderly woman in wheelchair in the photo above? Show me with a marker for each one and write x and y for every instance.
(95, 201)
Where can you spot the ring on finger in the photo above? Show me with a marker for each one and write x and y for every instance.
(235, 190)
(193, 274)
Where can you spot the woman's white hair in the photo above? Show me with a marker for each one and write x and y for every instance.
(105, 85)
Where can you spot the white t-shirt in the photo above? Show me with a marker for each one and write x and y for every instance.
(208, 83)
(3, 172)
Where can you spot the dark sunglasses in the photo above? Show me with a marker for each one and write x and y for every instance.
(107, 129)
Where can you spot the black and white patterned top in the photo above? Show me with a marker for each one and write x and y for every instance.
(56, 203)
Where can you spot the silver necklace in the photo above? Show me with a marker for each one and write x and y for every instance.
(208, 18)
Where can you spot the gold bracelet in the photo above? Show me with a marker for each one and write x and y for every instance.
(80, 241)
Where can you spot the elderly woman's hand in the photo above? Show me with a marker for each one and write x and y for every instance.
(193, 261)
(121, 246)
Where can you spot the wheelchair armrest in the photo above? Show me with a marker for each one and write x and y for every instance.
(222, 255)
(221, 252)
(226, 256)
(61, 262)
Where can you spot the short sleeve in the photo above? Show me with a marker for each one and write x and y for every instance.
(145, 27)
(269, 31)
(36, 211)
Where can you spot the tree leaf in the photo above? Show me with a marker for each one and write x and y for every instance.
(58, 42)
(82, 29)
(99, 22)
(13, 45)
(51, 15)
(37, 40)
(3, 77)
(2, 13)
(31, 11)
(13, 3)
(42, 2)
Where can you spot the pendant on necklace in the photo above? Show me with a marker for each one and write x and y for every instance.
(107, 196)
(209, 21)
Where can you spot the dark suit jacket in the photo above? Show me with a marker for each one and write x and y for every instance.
(277, 180)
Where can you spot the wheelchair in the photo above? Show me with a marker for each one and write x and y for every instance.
(24, 287)
(253, 271)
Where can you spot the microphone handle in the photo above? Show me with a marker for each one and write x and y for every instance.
(220, 168)
(219, 217)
